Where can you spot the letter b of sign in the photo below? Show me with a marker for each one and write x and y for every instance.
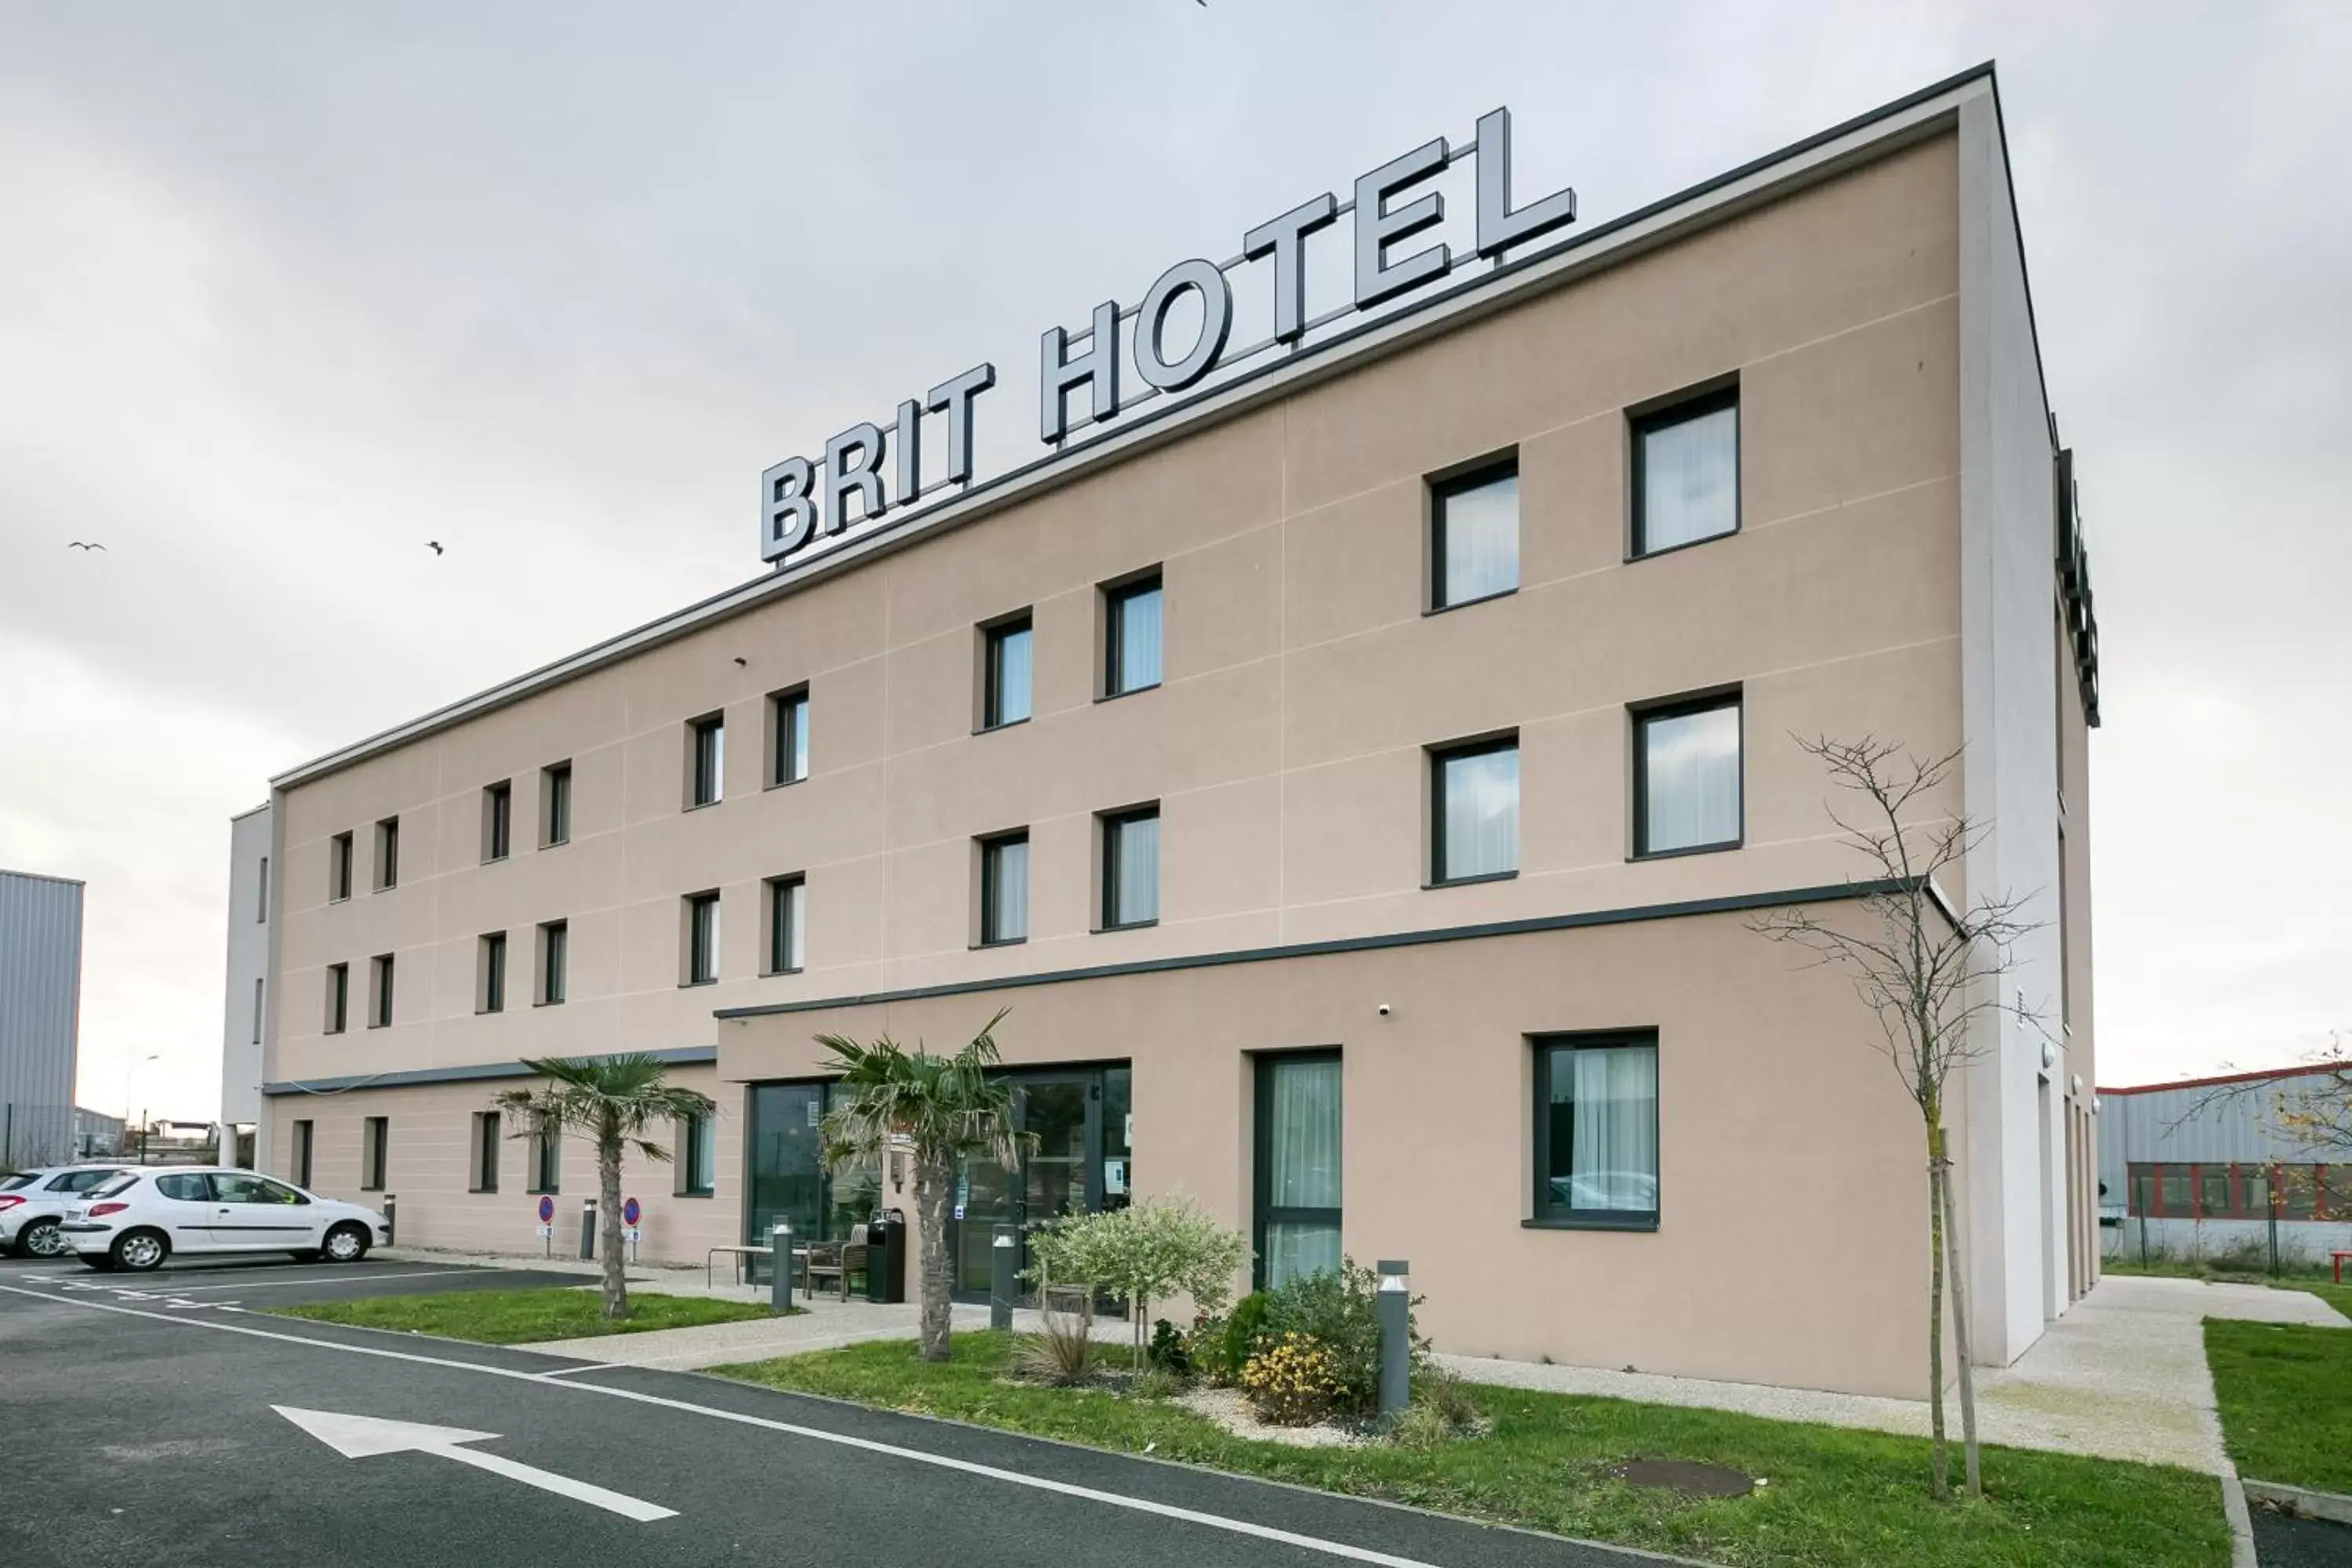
(787, 511)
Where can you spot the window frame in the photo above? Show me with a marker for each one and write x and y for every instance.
(261, 895)
(696, 1136)
(701, 958)
(788, 747)
(382, 979)
(339, 999)
(555, 804)
(1642, 715)
(1544, 1213)
(341, 858)
(781, 915)
(990, 847)
(1109, 826)
(387, 854)
(491, 954)
(1445, 486)
(305, 1137)
(483, 1174)
(546, 1159)
(375, 1152)
(1438, 756)
(1679, 408)
(498, 822)
(1264, 1065)
(1116, 598)
(706, 765)
(551, 964)
(993, 637)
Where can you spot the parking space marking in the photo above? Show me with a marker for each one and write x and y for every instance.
(1318, 1544)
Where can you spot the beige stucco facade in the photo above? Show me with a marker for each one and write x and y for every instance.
(1287, 749)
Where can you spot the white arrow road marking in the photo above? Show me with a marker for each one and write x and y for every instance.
(359, 1437)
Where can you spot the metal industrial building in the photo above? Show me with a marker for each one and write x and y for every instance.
(40, 1016)
(2206, 1168)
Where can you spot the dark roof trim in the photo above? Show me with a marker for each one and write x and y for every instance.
(1479, 291)
(476, 1072)
(1733, 904)
(2309, 1070)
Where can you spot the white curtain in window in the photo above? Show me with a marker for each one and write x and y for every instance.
(1012, 676)
(1480, 824)
(705, 1172)
(1691, 780)
(1690, 479)
(1615, 1158)
(1303, 1144)
(1139, 871)
(1482, 541)
(1138, 640)
(1293, 1251)
(1009, 889)
(795, 923)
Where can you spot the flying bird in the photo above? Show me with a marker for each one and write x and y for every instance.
(434, 546)
(77, 544)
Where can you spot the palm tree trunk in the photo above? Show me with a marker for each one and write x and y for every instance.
(1968, 1465)
(608, 1217)
(1939, 1463)
(933, 1181)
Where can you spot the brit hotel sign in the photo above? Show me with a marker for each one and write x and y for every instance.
(1178, 337)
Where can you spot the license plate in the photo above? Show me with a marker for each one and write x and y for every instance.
(77, 1214)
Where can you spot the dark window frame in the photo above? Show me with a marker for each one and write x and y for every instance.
(383, 978)
(552, 985)
(1438, 756)
(787, 760)
(387, 854)
(1680, 409)
(498, 822)
(494, 972)
(990, 846)
(375, 1152)
(1116, 598)
(546, 1159)
(701, 942)
(341, 858)
(695, 1134)
(1443, 489)
(305, 1141)
(339, 999)
(555, 804)
(706, 761)
(484, 1175)
(993, 637)
(1643, 717)
(1545, 1214)
(780, 919)
(1109, 826)
(1262, 1067)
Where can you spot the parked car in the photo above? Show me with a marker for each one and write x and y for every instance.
(147, 1216)
(33, 1201)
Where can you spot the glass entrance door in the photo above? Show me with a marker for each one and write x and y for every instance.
(1063, 1114)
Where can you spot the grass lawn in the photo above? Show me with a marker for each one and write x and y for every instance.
(521, 1317)
(1836, 1499)
(2282, 1388)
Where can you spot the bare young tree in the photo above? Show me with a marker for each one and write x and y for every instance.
(1926, 971)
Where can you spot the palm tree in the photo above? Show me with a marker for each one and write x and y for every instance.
(612, 1100)
(938, 1110)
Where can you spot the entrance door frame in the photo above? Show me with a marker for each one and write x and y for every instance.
(1088, 1075)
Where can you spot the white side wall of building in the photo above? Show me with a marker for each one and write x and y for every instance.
(243, 1010)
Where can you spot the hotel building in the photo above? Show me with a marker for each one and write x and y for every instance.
(1356, 780)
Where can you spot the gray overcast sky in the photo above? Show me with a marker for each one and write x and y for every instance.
(287, 289)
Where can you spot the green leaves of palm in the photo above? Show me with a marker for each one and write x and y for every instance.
(946, 1107)
(617, 1096)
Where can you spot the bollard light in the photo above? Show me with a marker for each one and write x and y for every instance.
(1395, 1293)
(780, 1265)
(587, 1229)
(1001, 1286)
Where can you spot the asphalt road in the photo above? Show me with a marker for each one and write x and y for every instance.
(2284, 1543)
(141, 1423)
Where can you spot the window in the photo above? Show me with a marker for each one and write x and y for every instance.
(1131, 867)
(302, 1154)
(258, 986)
(1474, 536)
(491, 988)
(706, 747)
(555, 804)
(1004, 673)
(1687, 778)
(701, 939)
(387, 852)
(498, 821)
(245, 1187)
(375, 1151)
(485, 1153)
(1004, 889)
(788, 736)
(1297, 1167)
(547, 1158)
(1596, 1135)
(339, 868)
(2213, 1191)
(697, 1156)
(2143, 1191)
(2176, 1189)
(261, 896)
(2254, 1187)
(1686, 473)
(1474, 811)
(380, 991)
(338, 997)
(787, 902)
(1131, 636)
(554, 966)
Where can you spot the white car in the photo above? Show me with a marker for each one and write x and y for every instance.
(148, 1215)
(33, 1201)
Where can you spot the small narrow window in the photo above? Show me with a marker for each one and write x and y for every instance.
(380, 992)
(490, 994)
(1004, 673)
(301, 1172)
(387, 852)
(338, 997)
(486, 1152)
(555, 804)
(788, 736)
(375, 1152)
(554, 952)
(1686, 473)
(701, 939)
(339, 868)
(1004, 889)
(258, 986)
(1474, 536)
(261, 896)
(787, 901)
(1596, 1131)
(1474, 817)
(706, 761)
(1131, 867)
(547, 1158)
(1131, 636)
(498, 821)
(1686, 785)
(697, 1156)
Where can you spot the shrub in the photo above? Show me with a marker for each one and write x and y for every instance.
(1151, 1249)
(1341, 1311)
(1293, 1382)
(1157, 1384)
(1063, 1350)
(1171, 1351)
(1441, 1410)
(1225, 1344)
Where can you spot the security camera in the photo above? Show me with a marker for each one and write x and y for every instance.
(1382, 1009)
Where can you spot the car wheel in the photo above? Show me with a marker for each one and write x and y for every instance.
(139, 1251)
(42, 1238)
(347, 1244)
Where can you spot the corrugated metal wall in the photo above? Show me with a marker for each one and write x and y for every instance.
(2243, 1127)
(40, 1009)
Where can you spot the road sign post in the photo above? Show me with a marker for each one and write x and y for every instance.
(630, 1214)
(547, 1223)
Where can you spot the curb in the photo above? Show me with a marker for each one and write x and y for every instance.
(2300, 1501)
(2242, 1521)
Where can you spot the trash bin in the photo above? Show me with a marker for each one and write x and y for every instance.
(886, 1260)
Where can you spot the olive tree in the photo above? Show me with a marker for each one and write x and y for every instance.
(1153, 1249)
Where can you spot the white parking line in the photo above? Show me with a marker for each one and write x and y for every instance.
(1340, 1549)
(256, 1282)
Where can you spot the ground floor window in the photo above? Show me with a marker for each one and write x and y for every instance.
(375, 1152)
(1596, 1131)
(697, 1155)
(486, 1152)
(1297, 1166)
(2224, 1190)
